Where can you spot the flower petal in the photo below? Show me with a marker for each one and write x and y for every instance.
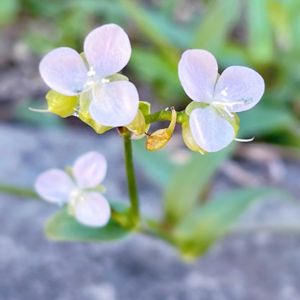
(241, 86)
(198, 72)
(115, 103)
(54, 185)
(107, 49)
(209, 130)
(64, 71)
(93, 210)
(90, 169)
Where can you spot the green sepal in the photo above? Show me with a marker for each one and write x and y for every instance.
(188, 138)
(84, 115)
(145, 107)
(194, 105)
(87, 119)
(233, 118)
(61, 105)
(138, 126)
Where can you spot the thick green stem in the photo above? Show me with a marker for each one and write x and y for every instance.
(131, 181)
(18, 191)
(164, 115)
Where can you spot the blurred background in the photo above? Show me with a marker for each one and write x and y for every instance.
(261, 34)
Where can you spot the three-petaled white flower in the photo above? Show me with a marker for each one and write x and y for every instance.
(79, 191)
(107, 51)
(236, 89)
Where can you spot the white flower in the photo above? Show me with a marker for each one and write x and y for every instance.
(107, 50)
(236, 89)
(79, 191)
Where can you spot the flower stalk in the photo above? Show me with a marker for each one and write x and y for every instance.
(18, 191)
(131, 180)
(164, 115)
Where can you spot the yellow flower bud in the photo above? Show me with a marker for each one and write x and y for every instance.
(161, 137)
(61, 105)
(138, 126)
(188, 138)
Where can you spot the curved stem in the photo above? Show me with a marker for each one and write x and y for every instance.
(131, 181)
(164, 115)
(18, 191)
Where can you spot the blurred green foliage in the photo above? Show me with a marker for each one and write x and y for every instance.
(194, 216)
(262, 34)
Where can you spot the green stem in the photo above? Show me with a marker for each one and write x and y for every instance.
(164, 115)
(157, 232)
(131, 181)
(18, 191)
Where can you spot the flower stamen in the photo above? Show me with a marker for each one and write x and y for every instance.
(244, 140)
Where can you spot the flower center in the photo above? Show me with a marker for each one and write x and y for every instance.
(75, 197)
(93, 79)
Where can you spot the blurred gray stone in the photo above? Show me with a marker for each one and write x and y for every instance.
(259, 264)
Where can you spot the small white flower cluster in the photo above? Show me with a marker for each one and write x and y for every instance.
(107, 51)
(79, 190)
(115, 103)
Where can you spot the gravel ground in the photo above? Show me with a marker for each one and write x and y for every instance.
(254, 264)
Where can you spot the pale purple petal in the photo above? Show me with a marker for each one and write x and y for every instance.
(93, 210)
(210, 131)
(90, 169)
(107, 49)
(198, 72)
(54, 185)
(241, 87)
(115, 103)
(64, 71)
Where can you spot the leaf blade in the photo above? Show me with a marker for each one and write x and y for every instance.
(202, 227)
(188, 183)
(63, 227)
(156, 165)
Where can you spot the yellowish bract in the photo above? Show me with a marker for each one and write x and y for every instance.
(61, 105)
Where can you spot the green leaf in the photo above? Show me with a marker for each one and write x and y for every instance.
(190, 182)
(178, 36)
(260, 35)
(156, 165)
(264, 119)
(155, 70)
(63, 227)
(9, 10)
(203, 226)
(217, 24)
(150, 29)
